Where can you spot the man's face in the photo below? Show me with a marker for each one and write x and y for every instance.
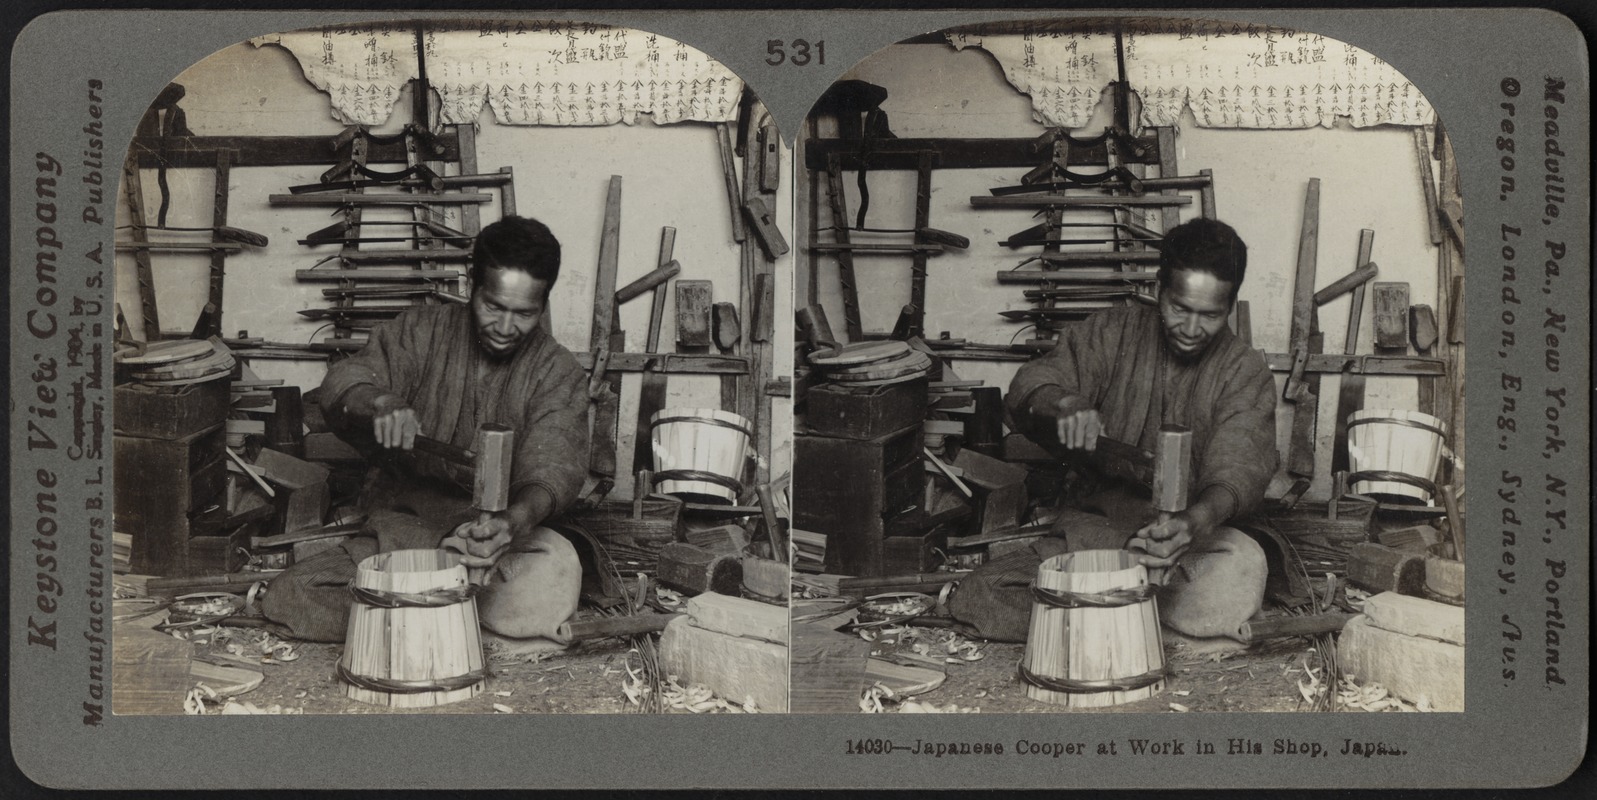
(1192, 310)
(506, 308)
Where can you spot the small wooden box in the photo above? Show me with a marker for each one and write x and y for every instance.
(868, 412)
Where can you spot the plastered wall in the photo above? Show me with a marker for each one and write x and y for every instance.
(1369, 178)
(671, 177)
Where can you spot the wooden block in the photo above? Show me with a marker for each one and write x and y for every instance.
(695, 570)
(764, 323)
(1444, 580)
(735, 668)
(987, 472)
(302, 489)
(1422, 328)
(943, 427)
(720, 539)
(828, 670)
(693, 302)
(1003, 507)
(1416, 669)
(735, 616)
(1455, 310)
(767, 578)
(149, 672)
(1391, 316)
(246, 427)
(1379, 568)
(1416, 616)
(725, 327)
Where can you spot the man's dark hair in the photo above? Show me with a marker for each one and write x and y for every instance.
(1204, 245)
(516, 243)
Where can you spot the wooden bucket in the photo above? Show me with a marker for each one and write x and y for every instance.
(413, 639)
(699, 453)
(1094, 638)
(1394, 453)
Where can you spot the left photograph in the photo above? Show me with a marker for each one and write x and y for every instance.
(447, 379)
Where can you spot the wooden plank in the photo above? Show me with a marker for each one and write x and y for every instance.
(385, 199)
(693, 301)
(1305, 413)
(1069, 276)
(651, 393)
(1350, 389)
(828, 669)
(961, 153)
(144, 274)
(1422, 152)
(729, 175)
(1355, 279)
(263, 151)
(1361, 365)
(735, 616)
(838, 203)
(1106, 201)
(926, 162)
(1206, 203)
(378, 274)
(602, 454)
(1391, 317)
(672, 363)
(224, 171)
(1080, 259)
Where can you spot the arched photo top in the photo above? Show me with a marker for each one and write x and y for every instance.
(528, 72)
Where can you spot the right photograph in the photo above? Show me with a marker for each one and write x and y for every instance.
(1129, 377)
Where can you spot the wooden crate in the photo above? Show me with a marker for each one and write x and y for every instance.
(159, 412)
(844, 484)
(865, 412)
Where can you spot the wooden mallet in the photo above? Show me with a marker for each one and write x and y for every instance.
(490, 459)
(1172, 461)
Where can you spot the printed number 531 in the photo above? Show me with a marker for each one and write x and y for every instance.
(777, 54)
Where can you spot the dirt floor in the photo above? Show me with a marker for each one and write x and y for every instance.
(587, 678)
(1262, 678)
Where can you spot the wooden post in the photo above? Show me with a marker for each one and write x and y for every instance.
(1350, 389)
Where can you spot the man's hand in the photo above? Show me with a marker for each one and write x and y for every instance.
(394, 423)
(1079, 428)
(481, 542)
(1163, 543)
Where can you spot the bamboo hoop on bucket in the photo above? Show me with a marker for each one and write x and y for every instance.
(1394, 454)
(700, 453)
(1094, 639)
(413, 640)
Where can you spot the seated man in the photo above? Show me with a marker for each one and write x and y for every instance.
(1123, 373)
(442, 371)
